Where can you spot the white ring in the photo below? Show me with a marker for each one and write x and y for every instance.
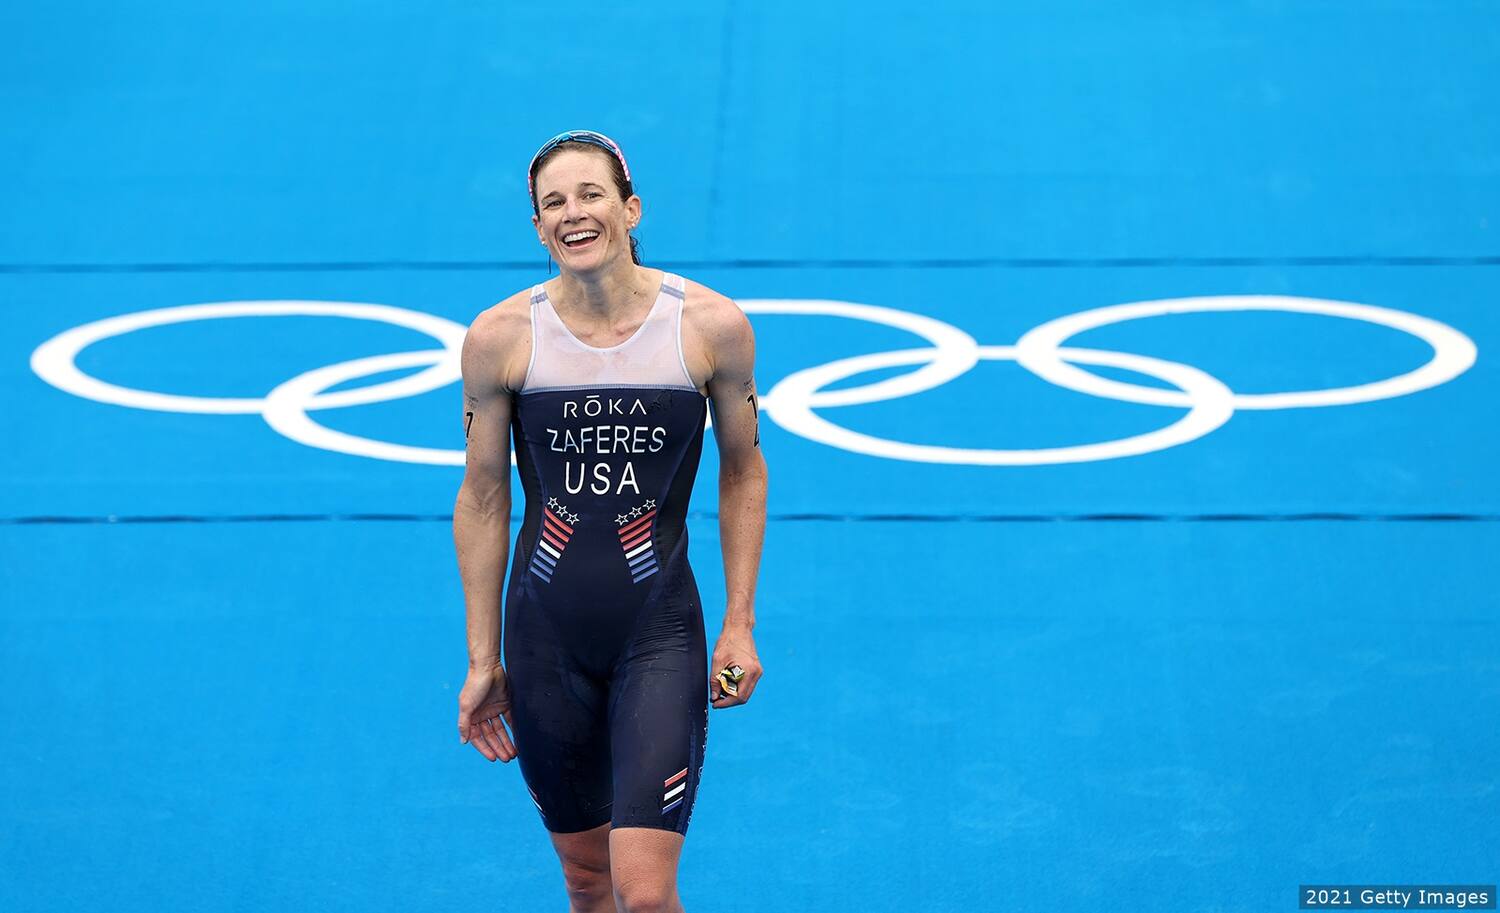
(286, 407)
(55, 361)
(1453, 352)
(954, 351)
(1211, 407)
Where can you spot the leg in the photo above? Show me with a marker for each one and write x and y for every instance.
(658, 734)
(563, 747)
(658, 725)
(562, 744)
(586, 870)
(644, 864)
(658, 716)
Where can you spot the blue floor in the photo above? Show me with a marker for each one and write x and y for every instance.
(1187, 678)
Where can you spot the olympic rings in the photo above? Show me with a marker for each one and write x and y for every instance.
(791, 402)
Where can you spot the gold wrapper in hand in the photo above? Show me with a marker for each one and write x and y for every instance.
(729, 678)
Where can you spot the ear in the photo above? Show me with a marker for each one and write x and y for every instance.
(633, 211)
(537, 224)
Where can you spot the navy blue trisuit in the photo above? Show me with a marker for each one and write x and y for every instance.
(603, 636)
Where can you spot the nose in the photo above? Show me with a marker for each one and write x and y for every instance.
(572, 209)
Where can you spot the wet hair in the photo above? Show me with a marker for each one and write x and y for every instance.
(616, 172)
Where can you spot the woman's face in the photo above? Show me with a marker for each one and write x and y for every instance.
(580, 216)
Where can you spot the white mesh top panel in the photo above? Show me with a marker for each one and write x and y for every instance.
(652, 357)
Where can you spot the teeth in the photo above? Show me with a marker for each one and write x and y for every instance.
(579, 235)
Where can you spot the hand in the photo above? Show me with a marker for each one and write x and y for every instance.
(735, 648)
(483, 701)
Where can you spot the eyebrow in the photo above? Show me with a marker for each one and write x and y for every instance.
(554, 193)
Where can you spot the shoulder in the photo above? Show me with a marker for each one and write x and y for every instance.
(498, 341)
(497, 324)
(714, 318)
(721, 336)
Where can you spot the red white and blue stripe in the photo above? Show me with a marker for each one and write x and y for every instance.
(636, 528)
(557, 529)
(673, 789)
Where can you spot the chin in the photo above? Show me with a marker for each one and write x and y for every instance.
(591, 263)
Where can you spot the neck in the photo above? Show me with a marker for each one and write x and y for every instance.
(606, 291)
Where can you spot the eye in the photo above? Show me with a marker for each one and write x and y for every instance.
(550, 204)
(592, 194)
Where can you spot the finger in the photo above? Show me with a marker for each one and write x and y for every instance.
(486, 734)
(747, 687)
(463, 729)
(480, 745)
(725, 699)
(488, 728)
(480, 741)
(499, 740)
(507, 747)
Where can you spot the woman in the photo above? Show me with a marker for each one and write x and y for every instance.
(603, 375)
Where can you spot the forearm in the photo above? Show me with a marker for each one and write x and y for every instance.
(742, 527)
(481, 530)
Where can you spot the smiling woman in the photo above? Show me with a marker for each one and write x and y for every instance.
(586, 142)
(604, 376)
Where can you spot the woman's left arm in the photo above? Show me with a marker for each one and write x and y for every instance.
(730, 345)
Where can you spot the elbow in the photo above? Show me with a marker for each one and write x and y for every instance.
(747, 470)
(485, 503)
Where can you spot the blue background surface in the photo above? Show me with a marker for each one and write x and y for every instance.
(207, 708)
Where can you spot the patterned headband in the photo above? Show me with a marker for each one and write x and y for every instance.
(578, 136)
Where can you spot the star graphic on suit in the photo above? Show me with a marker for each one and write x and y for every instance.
(635, 511)
(650, 504)
(620, 519)
(552, 503)
(571, 518)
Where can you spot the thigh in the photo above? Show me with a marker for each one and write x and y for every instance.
(562, 743)
(658, 721)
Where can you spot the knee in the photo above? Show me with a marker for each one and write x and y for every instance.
(589, 886)
(645, 895)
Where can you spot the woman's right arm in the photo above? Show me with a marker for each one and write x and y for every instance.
(481, 530)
